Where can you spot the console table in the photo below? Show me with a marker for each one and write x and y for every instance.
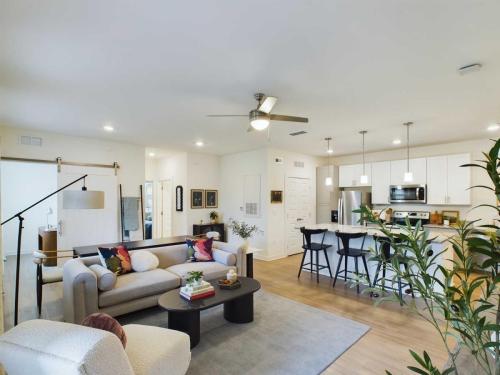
(204, 228)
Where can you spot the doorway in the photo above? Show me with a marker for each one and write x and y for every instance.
(85, 227)
(165, 195)
(298, 211)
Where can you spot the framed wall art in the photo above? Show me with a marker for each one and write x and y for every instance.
(276, 196)
(211, 198)
(197, 198)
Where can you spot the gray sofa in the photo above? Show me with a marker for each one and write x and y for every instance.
(139, 290)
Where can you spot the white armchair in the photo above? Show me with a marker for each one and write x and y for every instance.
(45, 347)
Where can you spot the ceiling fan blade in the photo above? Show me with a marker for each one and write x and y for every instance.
(227, 115)
(267, 104)
(289, 118)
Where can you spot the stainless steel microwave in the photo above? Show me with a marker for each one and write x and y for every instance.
(408, 194)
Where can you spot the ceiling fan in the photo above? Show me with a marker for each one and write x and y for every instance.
(261, 116)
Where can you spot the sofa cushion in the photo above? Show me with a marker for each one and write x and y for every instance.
(106, 279)
(139, 284)
(211, 270)
(143, 260)
(170, 255)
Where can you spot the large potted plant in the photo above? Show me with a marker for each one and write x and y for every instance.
(461, 303)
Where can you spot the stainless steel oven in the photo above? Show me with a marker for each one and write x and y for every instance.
(408, 194)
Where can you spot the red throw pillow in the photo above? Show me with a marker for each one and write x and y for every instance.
(116, 259)
(203, 250)
(106, 323)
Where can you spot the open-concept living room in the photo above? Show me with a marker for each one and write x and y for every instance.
(249, 187)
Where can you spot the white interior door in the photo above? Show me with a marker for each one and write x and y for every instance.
(93, 226)
(166, 208)
(298, 211)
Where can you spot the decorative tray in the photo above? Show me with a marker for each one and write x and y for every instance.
(223, 284)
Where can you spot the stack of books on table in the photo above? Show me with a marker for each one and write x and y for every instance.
(192, 292)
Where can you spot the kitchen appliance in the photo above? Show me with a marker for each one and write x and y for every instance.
(408, 194)
(399, 217)
(349, 201)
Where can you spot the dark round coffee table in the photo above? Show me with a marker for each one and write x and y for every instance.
(184, 315)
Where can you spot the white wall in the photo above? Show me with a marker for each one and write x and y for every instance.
(475, 147)
(23, 184)
(233, 168)
(131, 158)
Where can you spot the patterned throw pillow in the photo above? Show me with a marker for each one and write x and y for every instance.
(116, 259)
(202, 249)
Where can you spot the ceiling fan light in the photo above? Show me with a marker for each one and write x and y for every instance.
(259, 124)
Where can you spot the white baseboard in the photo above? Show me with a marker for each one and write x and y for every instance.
(268, 258)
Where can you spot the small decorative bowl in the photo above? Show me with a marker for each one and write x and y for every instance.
(224, 284)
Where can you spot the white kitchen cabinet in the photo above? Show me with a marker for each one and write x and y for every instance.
(381, 179)
(437, 182)
(459, 179)
(326, 196)
(417, 166)
(447, 182)
(349, 175)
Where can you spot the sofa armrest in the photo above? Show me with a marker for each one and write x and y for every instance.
(157, 351)
(224, 257)
(79, 291)
(238, 251)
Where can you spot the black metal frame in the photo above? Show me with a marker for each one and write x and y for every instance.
(383, 241)
(308, 245)
(346, 237)
(179, 198)
(19, 238)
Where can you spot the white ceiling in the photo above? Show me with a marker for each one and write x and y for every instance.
(155, 68)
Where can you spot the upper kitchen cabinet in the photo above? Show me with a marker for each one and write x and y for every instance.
(447, 182)
(349, 175)
(381, 179)
(417, 166)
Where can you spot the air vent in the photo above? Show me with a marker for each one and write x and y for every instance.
(30, 141)
(251, 209)
(298, 133)
(298, 164)
(469, 68)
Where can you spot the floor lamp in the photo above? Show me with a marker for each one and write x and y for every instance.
(72, 199)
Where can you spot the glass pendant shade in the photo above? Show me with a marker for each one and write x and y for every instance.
(328, 181)
(363, 179)
(408, 177)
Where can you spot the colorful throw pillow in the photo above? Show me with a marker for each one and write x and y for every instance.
(116, 259)
(106, 323)
(202, 249)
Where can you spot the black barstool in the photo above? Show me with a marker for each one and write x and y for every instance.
(315, 247)
(347, 252)
(383, 247)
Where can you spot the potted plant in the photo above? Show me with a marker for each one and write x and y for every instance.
(460, 302)
(194, 278)
(214, 216)
(243, 230)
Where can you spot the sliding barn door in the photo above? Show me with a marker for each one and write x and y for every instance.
(89, 226)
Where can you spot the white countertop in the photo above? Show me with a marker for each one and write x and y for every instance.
(438, 236)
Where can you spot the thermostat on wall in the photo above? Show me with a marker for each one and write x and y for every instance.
(278, 160)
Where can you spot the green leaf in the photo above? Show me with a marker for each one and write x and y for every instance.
(417, 358)
(417, 370)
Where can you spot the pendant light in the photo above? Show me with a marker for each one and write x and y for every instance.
(364, 177)
(329, 150)
(408, 177)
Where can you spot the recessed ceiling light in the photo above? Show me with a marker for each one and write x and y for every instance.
(396, 142)
(152, 154)
(493, 127)
(109, 128)
(199, 143)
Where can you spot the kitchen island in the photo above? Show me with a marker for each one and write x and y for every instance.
(439, 242)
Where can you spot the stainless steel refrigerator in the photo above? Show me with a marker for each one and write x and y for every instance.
(352, 200)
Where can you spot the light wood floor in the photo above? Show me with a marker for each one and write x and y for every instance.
(385, 346)
(393, 329)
